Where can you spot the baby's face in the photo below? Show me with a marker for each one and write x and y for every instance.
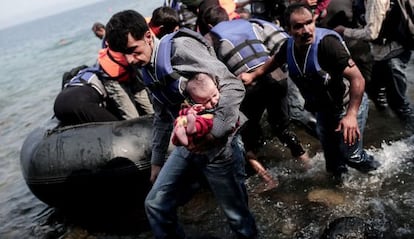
(209, 97)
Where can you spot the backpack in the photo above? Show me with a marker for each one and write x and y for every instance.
(68, 75)
(398, 24)
(88, 76)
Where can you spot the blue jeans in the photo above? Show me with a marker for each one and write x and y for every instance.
(337, 153)
(223, 169)
(391, 74)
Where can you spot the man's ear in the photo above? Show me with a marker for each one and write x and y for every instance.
(148, 36)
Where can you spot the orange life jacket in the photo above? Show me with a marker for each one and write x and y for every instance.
(114, 64)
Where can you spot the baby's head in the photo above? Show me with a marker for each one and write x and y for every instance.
(202, 89)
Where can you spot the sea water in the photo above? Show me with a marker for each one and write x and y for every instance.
(34, 56)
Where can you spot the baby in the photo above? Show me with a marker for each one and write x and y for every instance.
(195, 119)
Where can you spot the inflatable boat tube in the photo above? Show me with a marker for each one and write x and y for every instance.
(100, 165)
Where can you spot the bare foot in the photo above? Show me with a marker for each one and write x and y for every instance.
(269, 181)
(267, 185)
(304, 161)
(191, 125)
(181, 135)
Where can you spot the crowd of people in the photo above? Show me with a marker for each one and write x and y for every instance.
(210, 70)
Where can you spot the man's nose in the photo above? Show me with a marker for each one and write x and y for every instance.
(306, 28)
(130, 59)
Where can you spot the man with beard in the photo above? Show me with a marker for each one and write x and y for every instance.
(332, 85)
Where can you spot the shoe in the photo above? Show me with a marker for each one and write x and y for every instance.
(293, 143)
(367, 164)
(380, 100)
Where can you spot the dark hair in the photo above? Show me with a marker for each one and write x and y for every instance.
(167, 17)
(120, 25)
(293, 8)
(202, 8)
(216, 14)
(97, 25)
(211, 16)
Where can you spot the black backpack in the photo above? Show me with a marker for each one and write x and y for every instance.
(68, 75)
(398, 24)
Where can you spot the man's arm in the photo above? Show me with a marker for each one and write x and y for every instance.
(270, 65)
(335, 58)
(349, 123)
(161, 133)
(374, 16)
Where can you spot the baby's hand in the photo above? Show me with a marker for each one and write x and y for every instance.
(197, 108)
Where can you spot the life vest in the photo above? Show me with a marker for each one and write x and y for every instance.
(320, 91)
(167, 85)
(89, 76)
(114, 64)
(274, 35)
(187, 17)
(240, 46)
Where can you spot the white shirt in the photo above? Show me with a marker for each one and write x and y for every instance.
(375, 13)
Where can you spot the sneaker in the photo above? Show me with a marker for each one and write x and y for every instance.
(380, 100)
(366, 165)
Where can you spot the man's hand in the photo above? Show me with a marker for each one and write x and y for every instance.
(155, 170)
(340, 29)
(349, 127)
(247, 78)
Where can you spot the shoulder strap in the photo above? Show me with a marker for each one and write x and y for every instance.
(163, 67)
(275, 35)
(167, 86)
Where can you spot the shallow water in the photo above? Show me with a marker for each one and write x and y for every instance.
(301, 207)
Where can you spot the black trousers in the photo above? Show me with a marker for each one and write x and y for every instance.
(81, 104)
(270, 95)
